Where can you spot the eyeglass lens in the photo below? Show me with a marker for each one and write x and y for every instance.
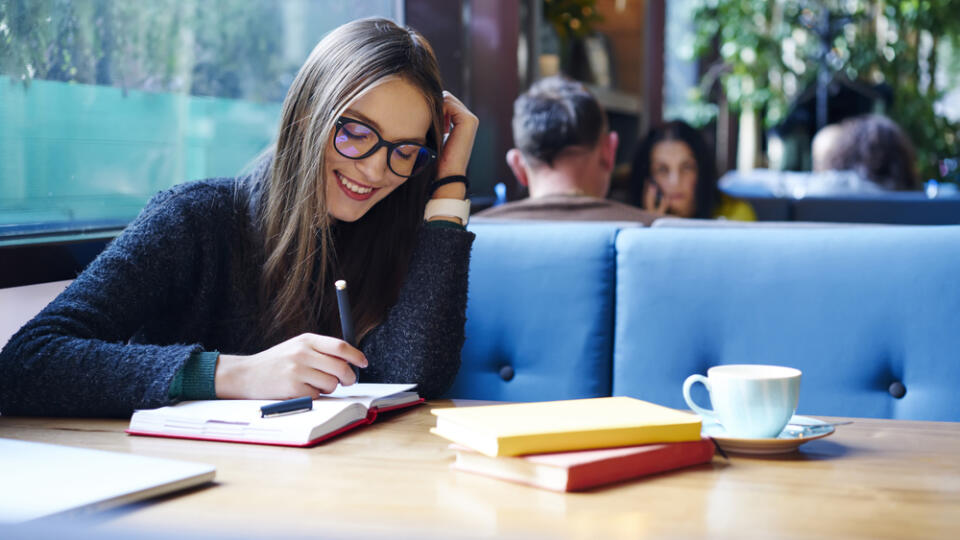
(355, 140)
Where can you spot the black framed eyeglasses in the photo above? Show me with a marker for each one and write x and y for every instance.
(357, 140)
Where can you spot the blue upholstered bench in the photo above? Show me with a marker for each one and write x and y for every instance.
(868, 314)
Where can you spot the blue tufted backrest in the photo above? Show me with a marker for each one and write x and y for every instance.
(539, 312)
(856, 309)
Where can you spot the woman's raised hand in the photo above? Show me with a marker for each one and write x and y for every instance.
(653, 203)
(306, 365)
(455, 154)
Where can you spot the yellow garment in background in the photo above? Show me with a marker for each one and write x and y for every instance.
(734, 209)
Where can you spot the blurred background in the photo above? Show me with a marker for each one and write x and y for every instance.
(105, 102)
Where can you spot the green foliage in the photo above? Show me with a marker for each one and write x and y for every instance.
(771, 52)
(227, 48)
(571, 18)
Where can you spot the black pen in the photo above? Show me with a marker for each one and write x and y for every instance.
(290, 406)
(346, 320)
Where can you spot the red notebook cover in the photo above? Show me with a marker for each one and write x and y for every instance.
(585, 469)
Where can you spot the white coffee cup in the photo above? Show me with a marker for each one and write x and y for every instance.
(749, 401)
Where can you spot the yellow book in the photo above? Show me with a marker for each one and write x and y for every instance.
(556, 426)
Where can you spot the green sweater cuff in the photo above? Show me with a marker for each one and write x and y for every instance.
(444, 224)
(195, 380)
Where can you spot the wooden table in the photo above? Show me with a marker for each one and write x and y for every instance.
(871, 479)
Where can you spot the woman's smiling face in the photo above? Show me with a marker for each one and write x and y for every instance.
(399, 112)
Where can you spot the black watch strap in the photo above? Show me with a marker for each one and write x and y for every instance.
(449, 180)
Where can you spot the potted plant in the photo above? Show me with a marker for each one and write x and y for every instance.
(769, 53)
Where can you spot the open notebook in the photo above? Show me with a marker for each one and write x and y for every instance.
(238, 420)
(43, 480)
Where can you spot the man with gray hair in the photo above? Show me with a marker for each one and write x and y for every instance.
(564, 155)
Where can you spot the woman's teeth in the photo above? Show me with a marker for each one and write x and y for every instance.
(356, 188)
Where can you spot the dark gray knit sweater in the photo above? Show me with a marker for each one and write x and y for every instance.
(182, 279)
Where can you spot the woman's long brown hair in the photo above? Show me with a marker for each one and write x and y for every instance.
(305, 251)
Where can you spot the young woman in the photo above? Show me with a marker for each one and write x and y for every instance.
(673, 173)
(225, 288)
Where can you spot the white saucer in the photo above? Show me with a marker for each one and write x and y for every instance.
(789, 439)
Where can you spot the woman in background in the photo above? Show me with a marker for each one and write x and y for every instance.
(224, 288)
(673, 173)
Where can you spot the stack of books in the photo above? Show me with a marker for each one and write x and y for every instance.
(573, 445)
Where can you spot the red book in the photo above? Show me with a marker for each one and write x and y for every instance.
(585, 469)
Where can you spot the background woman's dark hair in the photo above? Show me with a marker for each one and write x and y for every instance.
(556, 113)
(706, 194)
(876, 148)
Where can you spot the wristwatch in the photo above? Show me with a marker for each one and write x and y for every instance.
(452, 208)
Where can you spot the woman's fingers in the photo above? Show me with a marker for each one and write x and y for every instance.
(650, 198)
(332, 366)
(332, 346)
(327, 361)
(456, 151)
(454, 111)
(650, 201)
(324, 383)
(664, 205)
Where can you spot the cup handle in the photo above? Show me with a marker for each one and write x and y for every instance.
(687, 384)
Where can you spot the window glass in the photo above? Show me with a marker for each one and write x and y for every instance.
(680, 73)
(105, 102)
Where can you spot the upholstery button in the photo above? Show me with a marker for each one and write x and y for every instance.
(506, 373)
(897, 389)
